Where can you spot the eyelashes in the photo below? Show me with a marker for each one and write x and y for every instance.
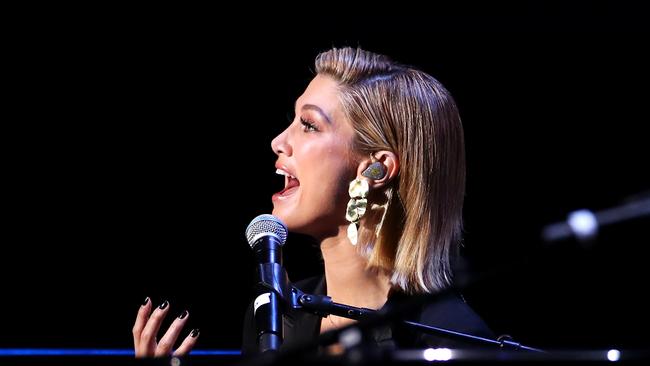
(308, 126)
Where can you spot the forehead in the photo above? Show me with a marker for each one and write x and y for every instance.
(323, 92)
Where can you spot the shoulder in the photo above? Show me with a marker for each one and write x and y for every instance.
(451, 311)
(312, 285)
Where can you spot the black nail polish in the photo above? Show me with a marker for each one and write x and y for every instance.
(195, 333)
(183, 314)
(163, 305)
(146, 301)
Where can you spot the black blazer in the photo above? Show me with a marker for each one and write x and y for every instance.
(449, 312)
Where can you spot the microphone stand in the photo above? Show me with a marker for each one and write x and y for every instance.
(275, 279)
(323, 306)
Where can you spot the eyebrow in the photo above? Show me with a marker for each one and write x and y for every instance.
(315, 108)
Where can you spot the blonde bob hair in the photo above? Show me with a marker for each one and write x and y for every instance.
(415, 227)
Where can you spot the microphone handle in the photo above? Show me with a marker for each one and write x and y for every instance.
(268, 319)
(268, 249)
(268, 305)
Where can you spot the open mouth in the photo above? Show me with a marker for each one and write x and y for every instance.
(291, 184)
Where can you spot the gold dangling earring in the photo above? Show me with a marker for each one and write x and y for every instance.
(358, 191)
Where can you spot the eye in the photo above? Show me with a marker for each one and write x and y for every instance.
(308, 126)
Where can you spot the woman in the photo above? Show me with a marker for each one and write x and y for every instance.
(374, 169)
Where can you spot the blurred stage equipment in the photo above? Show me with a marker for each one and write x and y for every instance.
(584, 224)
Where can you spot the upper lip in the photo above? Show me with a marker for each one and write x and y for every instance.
(285, 169)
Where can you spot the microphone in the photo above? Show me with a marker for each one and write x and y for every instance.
(266, 234)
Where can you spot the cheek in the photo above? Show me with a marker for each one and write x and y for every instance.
(328, 186)
(326, 174)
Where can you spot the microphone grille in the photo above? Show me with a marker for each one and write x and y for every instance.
(264, 225)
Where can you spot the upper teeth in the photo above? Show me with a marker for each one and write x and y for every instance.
(282, 172)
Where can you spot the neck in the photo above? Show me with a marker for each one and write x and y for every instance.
(348, 280)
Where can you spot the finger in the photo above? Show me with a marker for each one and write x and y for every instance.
(140, 321)
(147, 345)
(167, 342)
(188, 343)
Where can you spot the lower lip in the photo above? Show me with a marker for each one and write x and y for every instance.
(284, 194)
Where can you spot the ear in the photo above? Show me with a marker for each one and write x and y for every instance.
(389, 163)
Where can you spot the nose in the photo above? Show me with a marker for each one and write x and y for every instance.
(280, 145)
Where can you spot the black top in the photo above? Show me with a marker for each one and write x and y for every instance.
(449, 311)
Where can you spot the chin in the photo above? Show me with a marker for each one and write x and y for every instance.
(287, 211)
(284, 216)
(293, 225)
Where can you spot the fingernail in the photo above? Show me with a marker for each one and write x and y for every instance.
(163, 305)
(183, 314)
(146, 301)
(195, 333)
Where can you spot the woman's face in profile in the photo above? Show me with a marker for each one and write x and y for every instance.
(316, 160)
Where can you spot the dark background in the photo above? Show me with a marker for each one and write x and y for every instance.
(136, 149)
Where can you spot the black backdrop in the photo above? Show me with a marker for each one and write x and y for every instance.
(137, 149)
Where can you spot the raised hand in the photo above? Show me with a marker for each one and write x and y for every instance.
(147, 325)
